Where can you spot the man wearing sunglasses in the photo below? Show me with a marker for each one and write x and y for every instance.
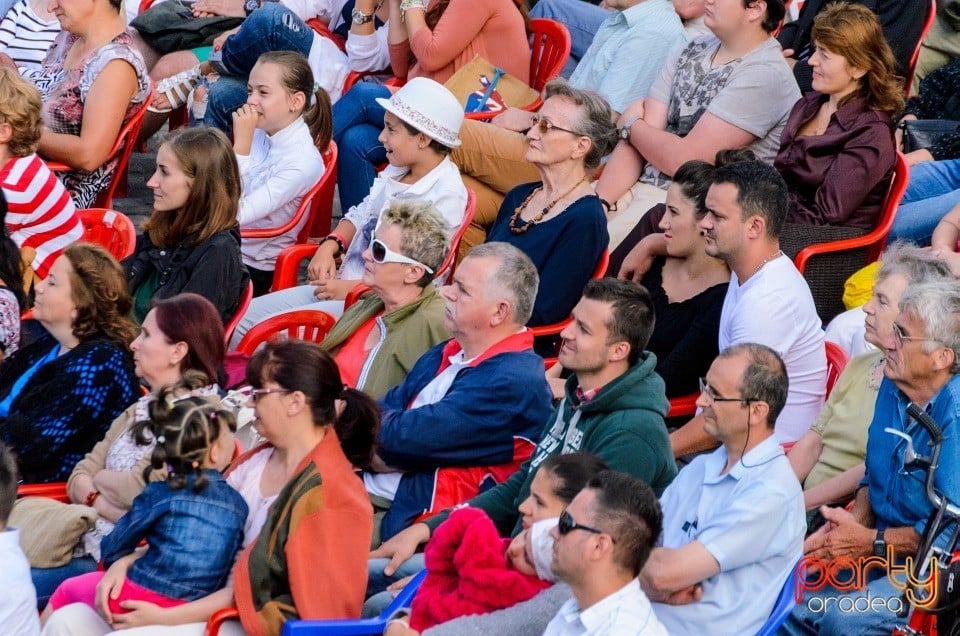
(601, 543)
(733, 520)
(890, 509)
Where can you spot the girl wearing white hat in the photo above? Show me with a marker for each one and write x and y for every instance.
(421, 125)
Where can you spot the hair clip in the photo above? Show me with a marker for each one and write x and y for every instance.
(161, 439)
(195, 465)
(316, 87)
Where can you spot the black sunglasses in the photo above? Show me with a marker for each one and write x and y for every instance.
(566, 524)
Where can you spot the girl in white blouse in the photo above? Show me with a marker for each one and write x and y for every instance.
(278, 136)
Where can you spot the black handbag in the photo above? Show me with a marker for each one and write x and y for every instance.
(171, 26)
(923, 133)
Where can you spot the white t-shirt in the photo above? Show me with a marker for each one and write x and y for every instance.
(18, 599)
(775, 308)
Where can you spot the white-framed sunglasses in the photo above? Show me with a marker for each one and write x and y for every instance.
(383, 254)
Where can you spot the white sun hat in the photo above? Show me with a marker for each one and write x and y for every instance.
(430, 108)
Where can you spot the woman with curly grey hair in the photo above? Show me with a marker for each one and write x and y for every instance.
(559, 221)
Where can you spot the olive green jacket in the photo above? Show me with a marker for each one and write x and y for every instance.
(410, 331)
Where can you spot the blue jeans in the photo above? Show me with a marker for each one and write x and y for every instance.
(272, 27)
(582, 20)
(357, 123)
(377, 597)
(934, 189)
(47, 580)
(830, 612)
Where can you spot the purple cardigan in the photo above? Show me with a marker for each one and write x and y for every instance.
(840, 177)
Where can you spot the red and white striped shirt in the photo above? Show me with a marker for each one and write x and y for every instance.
(40, 212)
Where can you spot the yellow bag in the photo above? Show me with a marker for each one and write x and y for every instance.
(859, 288)
(473, 78)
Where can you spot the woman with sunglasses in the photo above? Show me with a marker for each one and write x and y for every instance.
(559, 221)
(380, 337)
(420, 128)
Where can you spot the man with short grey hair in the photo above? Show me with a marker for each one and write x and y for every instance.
(472, 401)
(891, 509)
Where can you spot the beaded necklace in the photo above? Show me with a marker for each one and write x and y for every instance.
(520, 229)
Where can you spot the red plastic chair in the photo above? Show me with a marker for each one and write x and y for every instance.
(245, 301)
(837, 360)
(549, 51)
(875, 240)
(317, 205)
(555, 328)
(111, 229)
(355, 294)
(122, 147)
(55, 490)
(311, 325)
(928, 23)
(287, 272)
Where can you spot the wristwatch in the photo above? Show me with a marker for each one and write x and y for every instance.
(251, 5)
(625, 131)
(359, 17)
(879, 545)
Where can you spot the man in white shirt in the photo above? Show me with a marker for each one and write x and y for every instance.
(18, 599)
(600, 545)
(768, 301)
(733, 520)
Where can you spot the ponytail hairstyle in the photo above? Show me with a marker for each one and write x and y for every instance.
(184, 428)
(301, 366)
(297, 77)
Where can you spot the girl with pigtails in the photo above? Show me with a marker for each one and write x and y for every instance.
(192, 521)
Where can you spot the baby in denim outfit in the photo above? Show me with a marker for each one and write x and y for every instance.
(192, 522)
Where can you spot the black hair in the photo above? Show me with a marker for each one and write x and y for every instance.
(184, 429)
(9, 479)
(572, 471)
(632, 312)
(11, 272)
(628, 509)
(761, 191)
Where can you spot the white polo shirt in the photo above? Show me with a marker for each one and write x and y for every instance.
(751, 520)
(18, 599)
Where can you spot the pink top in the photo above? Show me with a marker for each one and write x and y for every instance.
(492, 29)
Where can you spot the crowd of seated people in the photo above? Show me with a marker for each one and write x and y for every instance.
(691, 162)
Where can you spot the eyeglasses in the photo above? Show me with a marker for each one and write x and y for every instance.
(566, 525)
(713, 397)
(255, 394)
(546, 126)
(383, 254)
(901, 338)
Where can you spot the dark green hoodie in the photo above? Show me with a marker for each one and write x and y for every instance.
(623, 424)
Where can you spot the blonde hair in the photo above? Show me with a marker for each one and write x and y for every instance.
(20, 106)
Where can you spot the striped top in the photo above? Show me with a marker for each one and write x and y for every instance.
(25, 37)
(41, 214)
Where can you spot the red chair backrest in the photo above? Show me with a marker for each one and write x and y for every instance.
(451, 260)
(875, 240)
(124, 145)
(245, 300)
(311, 325)
(683, 405)
(928, 23)
(111, 229)
(317, 206)
(54, 490)
(549, 51)
(837, 359)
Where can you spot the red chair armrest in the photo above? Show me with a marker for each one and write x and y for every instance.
(219, 618)
(288, 265)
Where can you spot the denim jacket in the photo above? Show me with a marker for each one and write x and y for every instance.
(193, 537)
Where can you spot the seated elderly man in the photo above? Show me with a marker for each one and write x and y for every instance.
(469, 401)
(733, 520)
(828, 459)
(890, 509)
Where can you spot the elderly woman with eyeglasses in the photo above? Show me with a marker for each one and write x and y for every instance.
(559, 221)
(379, 338)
